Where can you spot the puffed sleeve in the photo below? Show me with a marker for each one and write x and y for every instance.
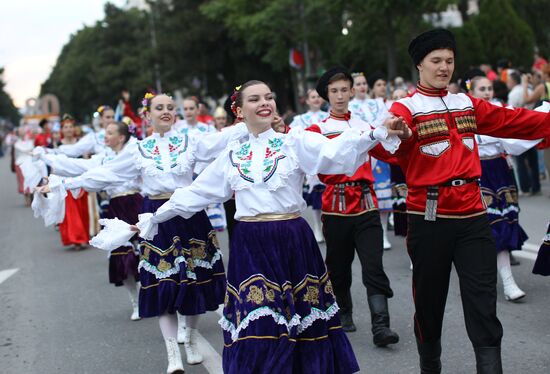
(207, 147)
(119, 170)
(70, 167)
(85, 145)
(211, 186)
(316, 154)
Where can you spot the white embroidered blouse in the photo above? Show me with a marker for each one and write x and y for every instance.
(73, 167)
(309, 118)
(266, 172)
(90, 143)
(164, 163)
(372, 111)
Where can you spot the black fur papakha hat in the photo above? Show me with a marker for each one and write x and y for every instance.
(430, 41)
(322, 83)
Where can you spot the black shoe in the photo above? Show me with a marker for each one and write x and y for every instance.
(488, 360)
(430, 356)
(347, 322)
(382, 335)
(513, 260)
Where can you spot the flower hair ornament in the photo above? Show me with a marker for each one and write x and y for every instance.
(146, 102)
(234, 99)
(357, 74)
(469, 84)
(67, 118)
(128, 122)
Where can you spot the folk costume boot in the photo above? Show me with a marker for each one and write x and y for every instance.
(430, 356)
(382, 335)
(190, 344)
(181, 328)
(175, 365)
(346, 312)
(488, 360)
(511, 290)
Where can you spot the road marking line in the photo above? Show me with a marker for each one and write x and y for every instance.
(525, 254)
(5, 274)
(530, 247)
(212, 359)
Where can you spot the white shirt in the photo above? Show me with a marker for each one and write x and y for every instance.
(185, 128)
(489, 146)
(309, 118)
(73, 167)
(373, 111)
(164, 163)
(88, 144)
(266, 172)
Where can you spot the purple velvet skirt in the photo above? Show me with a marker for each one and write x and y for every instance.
(499, 191)
(542, 264)
(280, 314)
(181, 269)
(123, 261)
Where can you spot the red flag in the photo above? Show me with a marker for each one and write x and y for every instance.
(296, 59)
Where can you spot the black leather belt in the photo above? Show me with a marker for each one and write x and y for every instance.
(432, 195)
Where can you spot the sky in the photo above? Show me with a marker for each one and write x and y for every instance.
(32, 33)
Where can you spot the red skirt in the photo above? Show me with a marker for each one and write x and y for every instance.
(75, 227)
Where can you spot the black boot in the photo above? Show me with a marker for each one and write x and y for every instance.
(346, 311)
(382, 335)
(347, 322)
(430, 356)
(488, 360)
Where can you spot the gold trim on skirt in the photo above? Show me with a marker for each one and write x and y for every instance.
(266, 217)
(127, 193)
(162, 196)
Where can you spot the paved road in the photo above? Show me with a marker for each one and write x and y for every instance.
(58, 314)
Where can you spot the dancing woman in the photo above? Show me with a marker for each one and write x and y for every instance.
(125, 202)
(280, 314)
(181, 269)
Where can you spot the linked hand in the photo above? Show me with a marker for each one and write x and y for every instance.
(135, 228)
(397, 126)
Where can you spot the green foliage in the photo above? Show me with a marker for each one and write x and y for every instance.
(208, 47)
(505, 34)
(7, 109)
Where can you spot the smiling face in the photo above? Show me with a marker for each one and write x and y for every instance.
(257, 107)
(162, 113)
(314, 101)
(436, 69)
(190, 110)
(483, 89)
(113, 139)
(339, 94)
(360, 86)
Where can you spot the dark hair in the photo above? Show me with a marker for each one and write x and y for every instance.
(239, 93)
(500, 91)
(103, 108)
(192, 98)
(122, 129)
(515, 77)
(476, 79)
(339, 77)
(43, 122)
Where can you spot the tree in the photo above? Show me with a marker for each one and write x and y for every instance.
(504, 33)
(7, 109)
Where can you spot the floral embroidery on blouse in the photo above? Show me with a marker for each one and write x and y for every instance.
(244, 157)
(243, 161)
(176, 146)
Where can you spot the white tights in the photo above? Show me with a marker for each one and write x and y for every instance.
(131, 286)
(168, 325)
(503, 259)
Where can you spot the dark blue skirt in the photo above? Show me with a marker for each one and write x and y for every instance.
(542, 264)
(123, 261)
(314, 199)
(181, 268)
(500, 193)
(280, 314)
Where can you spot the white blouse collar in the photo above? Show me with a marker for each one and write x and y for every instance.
(166, 135)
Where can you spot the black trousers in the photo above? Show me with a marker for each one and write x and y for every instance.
(469, 245)
(344, 235)
(528, 171)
